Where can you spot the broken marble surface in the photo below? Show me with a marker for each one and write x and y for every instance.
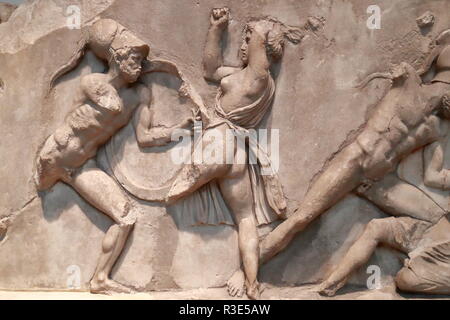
(316, 109)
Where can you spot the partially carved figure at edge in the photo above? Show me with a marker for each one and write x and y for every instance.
(107, 102)
(408, 118)
(245, 96)
(426, 240)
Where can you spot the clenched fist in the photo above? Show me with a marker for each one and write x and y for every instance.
(220, 17)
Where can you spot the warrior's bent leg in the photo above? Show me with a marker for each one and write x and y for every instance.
(343, 174)
(101, 191)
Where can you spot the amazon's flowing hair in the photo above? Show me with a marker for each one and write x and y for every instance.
(277, 37)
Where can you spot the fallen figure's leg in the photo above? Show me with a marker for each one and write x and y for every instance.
(403, 233)
(385, 231)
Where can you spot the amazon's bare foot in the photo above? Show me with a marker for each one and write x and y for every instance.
(236, 284)
(253, 292)
(108, 287)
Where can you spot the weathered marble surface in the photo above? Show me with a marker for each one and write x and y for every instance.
(316, 109)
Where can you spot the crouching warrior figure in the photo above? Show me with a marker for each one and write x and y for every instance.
(107, 104)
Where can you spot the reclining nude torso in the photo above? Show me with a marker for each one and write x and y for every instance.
(403, 122)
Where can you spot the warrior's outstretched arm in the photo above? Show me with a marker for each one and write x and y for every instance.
(146, 133)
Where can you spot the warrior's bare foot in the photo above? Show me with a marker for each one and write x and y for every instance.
(108, 287)
(329, 289)
(253, 292)
(236, 284)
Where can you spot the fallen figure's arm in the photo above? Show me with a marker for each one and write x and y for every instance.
(435, 175)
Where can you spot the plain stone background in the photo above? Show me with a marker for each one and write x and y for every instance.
(316, 109)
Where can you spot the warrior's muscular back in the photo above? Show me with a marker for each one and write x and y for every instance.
(92, 124)
(102, 111)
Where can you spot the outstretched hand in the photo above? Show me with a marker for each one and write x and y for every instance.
(196, 115)
(399, 70)
(189, 121)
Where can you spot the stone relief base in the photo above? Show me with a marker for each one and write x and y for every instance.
(291, 293)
